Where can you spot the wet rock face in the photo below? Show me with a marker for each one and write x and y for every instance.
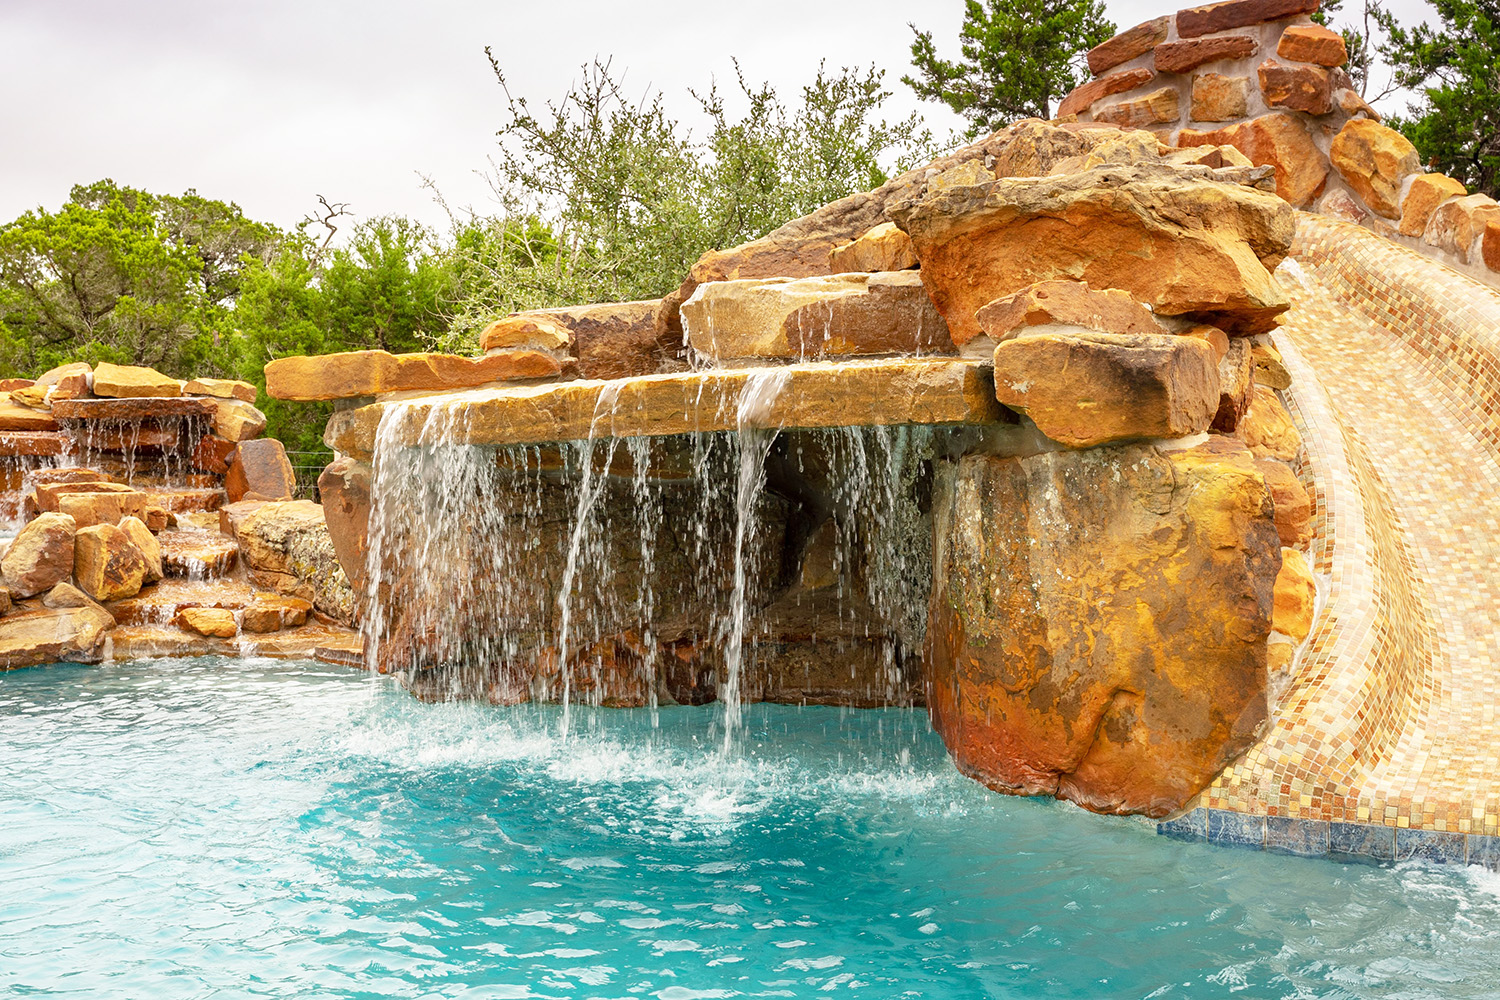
(41, 555)
(1099, 620)
(286, 548)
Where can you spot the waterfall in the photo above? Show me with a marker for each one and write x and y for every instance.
(610, 571)
(755, 402)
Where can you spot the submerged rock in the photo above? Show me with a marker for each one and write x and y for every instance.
(1099, 620)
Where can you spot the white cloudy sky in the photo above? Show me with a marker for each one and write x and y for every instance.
(271, 102)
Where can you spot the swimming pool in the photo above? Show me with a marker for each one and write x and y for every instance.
(229, 828)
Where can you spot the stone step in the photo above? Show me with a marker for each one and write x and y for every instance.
(132, 409)
(152, 641)
(34, 444)
(802, 396)
(197, 555)
(181, 500)
(158, 604)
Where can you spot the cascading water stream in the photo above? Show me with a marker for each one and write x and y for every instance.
(756, 398)
(590, 489)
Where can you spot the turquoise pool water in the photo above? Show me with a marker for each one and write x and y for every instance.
(211, 828)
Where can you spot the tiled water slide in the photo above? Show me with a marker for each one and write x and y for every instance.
(1387, 741)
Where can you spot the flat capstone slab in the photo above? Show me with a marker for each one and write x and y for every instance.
(132, 408)
(880, 392)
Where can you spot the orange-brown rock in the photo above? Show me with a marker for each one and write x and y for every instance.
(212, 454)
(884, 248)
(123, 381)
(525, 331)
(215, 622)
(1278, 140)
(1087, 389)
(1312, 43)
(1214, 17)
(1456, 225)
(368, 373)
(1426, 193)
(14, 417)
(221, 388)
(1183, 246)
(1083, 97)
(1295, 596)
(49, 494)
(1340, 204)
(70, 380)
(609, 340)
(888, 312)
(1128, 44)
(1099, 620)
(35, 444)
(1219, 98)
(286, 548)
(1293, 506)
(1269, 370)
(260, 467)
(1074, 303)
(1373, 160)
(1210, 335)
(65, 595)
(345, 490)
(1297, 87)
(272, 614)
(29, 638)
(12, 384)
(1156, 108)
(1186, 56)
(150, 549)
(1267, 427)
(197, 555)
(106, 563)
(1490, 247)
(1236, 381)
(41, 556)
(88, 509)
(237, 420)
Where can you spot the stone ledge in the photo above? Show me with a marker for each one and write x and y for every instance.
(818, 394)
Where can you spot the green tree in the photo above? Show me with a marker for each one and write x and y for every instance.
(1455, 67)
(1018, 58)
(119, 274)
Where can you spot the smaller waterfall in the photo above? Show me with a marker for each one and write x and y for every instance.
(760, 392)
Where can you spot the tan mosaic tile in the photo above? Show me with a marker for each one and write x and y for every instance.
(1393, 712)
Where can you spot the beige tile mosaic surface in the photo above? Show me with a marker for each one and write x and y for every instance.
(1391, 715)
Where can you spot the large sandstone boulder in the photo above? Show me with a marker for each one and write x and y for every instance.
(286, 548)
(1277, 140)
(237, 420)
(220, 388)
(1267, 428)
(106, 563)
(1373, 160)
(130, 381)
(260, 467)
(609, 339)
(16, 417)
(1085, 389)
(41, 555)
(150, 549)
(1293, 505)
(345, 489)
(1458, 224)
(30, 638)
(1099, 620)
(1426, 193)
(1074, 303)
(808, 318)
(884, 248)
(1184, 244)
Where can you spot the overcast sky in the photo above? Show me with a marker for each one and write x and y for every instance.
(273, 102)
